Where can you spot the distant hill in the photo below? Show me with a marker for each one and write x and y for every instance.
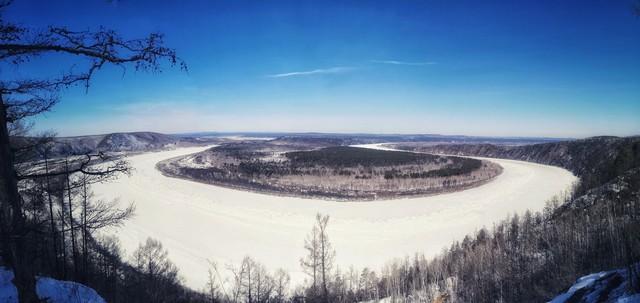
(114, 142)
(147, 141)
(349, 139)
(364, 138)
(137, 141)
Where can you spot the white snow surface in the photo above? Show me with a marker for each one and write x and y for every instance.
(198, 222)
(52, 290)
(597, 285)
(586, 281)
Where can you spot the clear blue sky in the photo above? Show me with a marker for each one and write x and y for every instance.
(504, 68)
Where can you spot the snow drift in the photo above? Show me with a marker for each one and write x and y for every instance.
(50, 290)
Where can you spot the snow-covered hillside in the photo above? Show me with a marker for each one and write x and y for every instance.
(607, 286)
(50, 290)
(116, 142)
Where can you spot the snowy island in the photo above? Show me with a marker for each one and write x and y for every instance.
(330, 172)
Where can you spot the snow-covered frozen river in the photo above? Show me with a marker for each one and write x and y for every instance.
(198, 222)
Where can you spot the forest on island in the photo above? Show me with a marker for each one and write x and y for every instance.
(335, 172)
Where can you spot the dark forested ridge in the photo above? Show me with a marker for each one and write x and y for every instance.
(346, 156)
(595, 160)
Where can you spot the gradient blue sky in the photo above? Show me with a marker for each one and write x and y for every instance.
(498, 68)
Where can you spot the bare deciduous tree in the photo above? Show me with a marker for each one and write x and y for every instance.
(310, 262)
(159, 274)
(320, 256)
(282, 280)
(252, 282)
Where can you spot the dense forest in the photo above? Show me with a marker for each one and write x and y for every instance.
(336, 172)
(346, 156)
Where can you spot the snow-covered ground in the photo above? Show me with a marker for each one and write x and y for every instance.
(198, 222)
(51, 290)
(606, 286)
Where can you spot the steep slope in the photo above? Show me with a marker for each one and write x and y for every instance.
(611, 197)
(138, 141)
(595, 160)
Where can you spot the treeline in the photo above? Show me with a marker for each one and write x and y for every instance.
(249, 159)
(452, 166)
(339, 160)
(251, 282)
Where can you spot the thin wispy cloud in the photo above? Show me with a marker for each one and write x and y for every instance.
(332, 70)
(395, 62)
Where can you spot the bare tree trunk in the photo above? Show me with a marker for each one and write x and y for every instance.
(54, 233)
(85, 262)
(323, 264)
(11, 218)
(74, 252)
(249, 282)
(315, 265)
(63, 236)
